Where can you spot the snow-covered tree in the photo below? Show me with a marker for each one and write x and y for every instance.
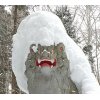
(64, 14)
(18, 13)
(5, 51)
(8, 25)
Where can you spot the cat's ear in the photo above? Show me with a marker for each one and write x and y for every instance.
(60, 47)
(31, 47)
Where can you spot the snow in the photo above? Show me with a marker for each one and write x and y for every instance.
(46, 28)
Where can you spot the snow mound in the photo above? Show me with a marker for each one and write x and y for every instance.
(46, 28)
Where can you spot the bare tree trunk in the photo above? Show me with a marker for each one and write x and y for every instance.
(89, 32)
(97, 60)
(15, 19)
(15, 89)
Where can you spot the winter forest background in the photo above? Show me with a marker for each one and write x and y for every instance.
(82, 24)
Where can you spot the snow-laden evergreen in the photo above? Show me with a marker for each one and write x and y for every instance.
(46, 28)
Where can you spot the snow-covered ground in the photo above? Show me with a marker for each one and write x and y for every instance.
(46, 28)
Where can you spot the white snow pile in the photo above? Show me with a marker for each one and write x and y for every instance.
(46, 28)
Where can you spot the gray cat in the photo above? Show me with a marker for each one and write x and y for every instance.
(47, 71)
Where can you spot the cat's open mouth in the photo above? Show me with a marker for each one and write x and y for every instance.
(46, 63)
